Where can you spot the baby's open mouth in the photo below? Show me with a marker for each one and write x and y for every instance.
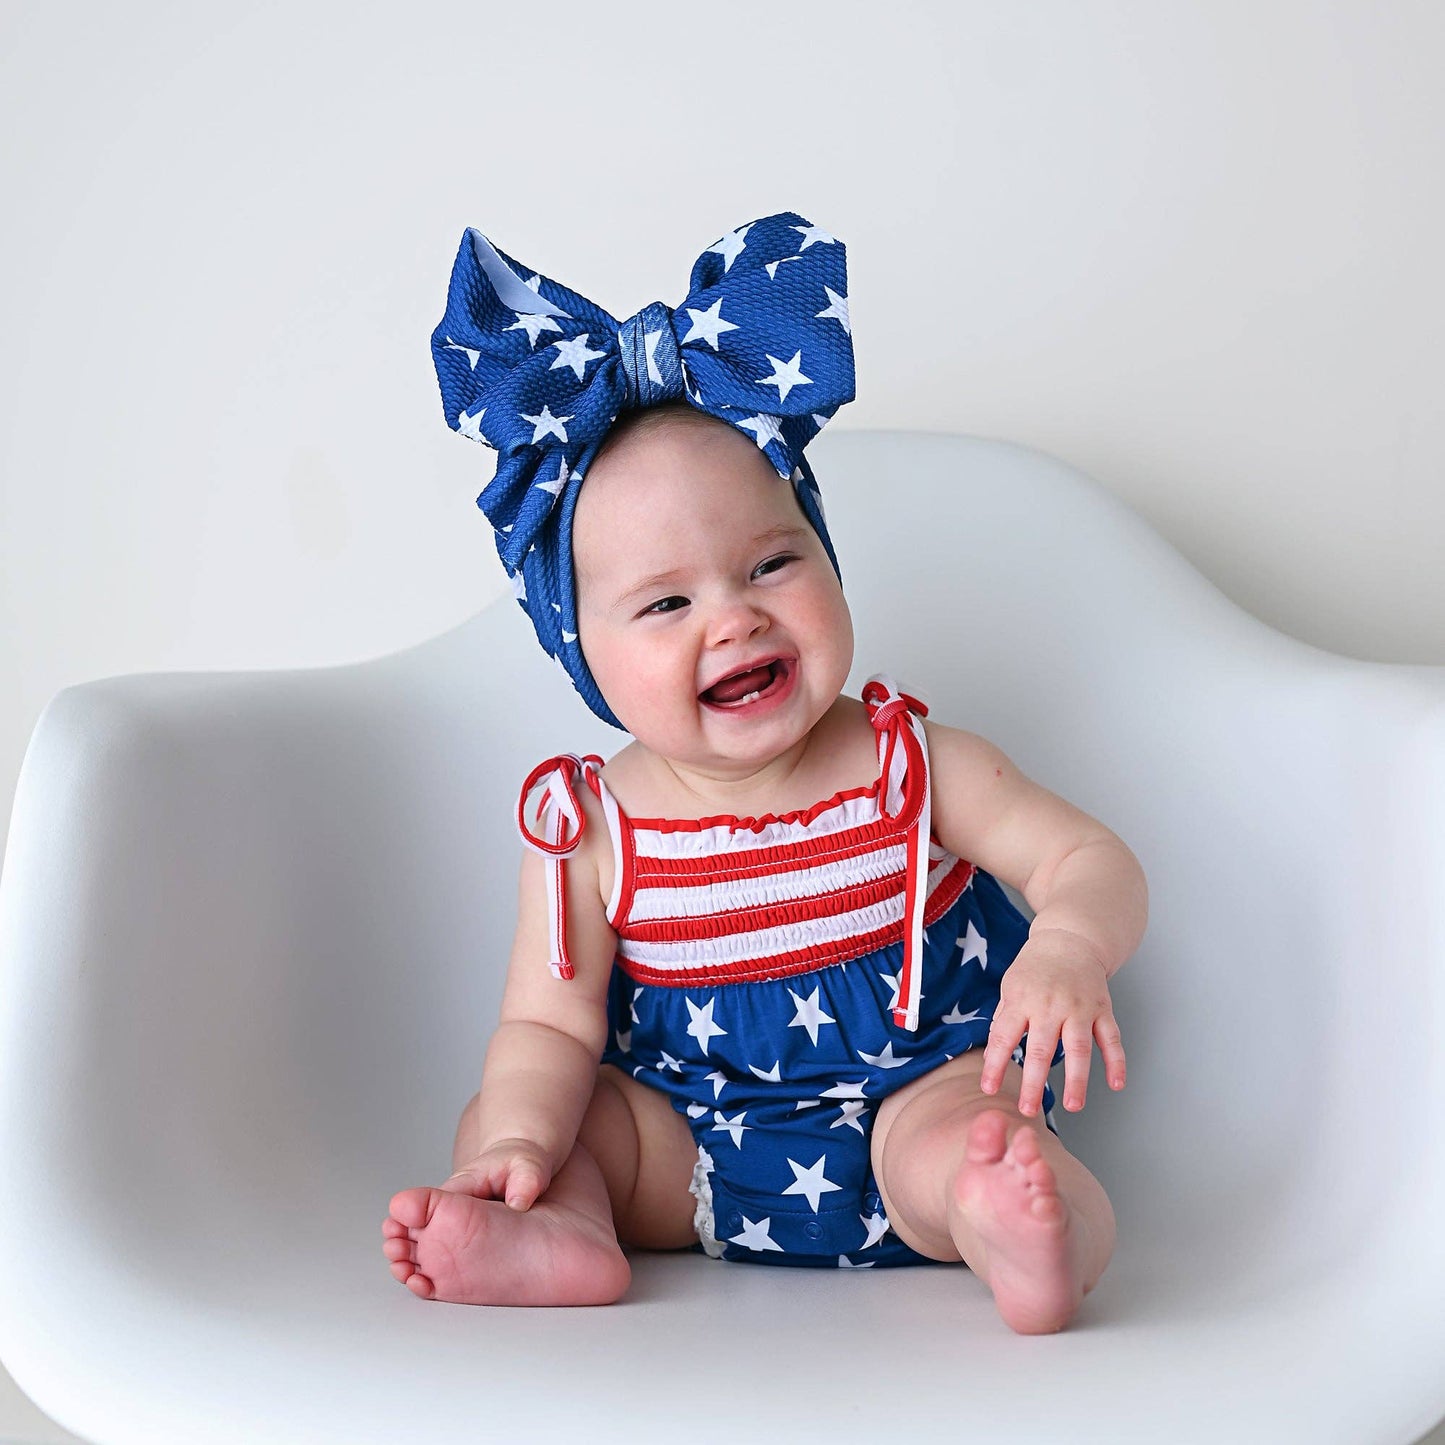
(745, 687)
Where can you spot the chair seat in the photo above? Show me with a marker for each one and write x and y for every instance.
(253, 932)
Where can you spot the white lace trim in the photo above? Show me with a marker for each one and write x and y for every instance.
(702, 1218)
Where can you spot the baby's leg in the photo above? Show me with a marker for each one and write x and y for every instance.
(645, 1151)
(565, 1249)
(964, 1174)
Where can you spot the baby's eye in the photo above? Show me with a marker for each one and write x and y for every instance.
(772, 564)
(660, 607)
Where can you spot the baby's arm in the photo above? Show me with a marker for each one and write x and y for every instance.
(1090, 901)
(541, 1064)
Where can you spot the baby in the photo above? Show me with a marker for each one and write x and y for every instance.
(786, 988)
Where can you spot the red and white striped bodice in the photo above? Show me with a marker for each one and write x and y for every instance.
(728, 900)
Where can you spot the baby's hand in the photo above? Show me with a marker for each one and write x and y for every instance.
(1055, 985)
(516, 1170)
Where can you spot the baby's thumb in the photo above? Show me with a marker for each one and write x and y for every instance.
(464, 1181)
(524, 1183)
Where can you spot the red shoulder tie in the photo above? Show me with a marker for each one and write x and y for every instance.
(557, 811)
(905, 797)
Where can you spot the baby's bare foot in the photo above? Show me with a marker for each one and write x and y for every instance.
(474, 1251)
(1007, 1201)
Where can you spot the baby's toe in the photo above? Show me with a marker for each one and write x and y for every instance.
(392, 1228)
(1048, 1208)
(987, 1136)
(396, 1249)
(420, 1285)
(1025, 1146)
(409, 1207)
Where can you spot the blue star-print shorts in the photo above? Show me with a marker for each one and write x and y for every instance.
(779, 1081)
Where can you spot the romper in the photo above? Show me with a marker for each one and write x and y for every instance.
(777, 977)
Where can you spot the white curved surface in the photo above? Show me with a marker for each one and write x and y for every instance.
(253, 928)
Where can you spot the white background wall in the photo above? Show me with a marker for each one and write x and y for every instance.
(1191, 248)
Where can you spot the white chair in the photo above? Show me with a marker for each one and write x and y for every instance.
(253, 928)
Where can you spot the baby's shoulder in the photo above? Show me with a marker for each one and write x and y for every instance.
(631, 776)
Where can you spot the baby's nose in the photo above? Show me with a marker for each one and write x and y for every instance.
(735, 621)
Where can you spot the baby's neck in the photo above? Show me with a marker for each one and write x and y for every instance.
(838, 753)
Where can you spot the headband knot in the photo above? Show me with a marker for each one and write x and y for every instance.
(651, 363)
(762, 341)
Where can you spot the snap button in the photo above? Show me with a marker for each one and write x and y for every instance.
(813, 1229)
(873, 1203)
(735, 1219)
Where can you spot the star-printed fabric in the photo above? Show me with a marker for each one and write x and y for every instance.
(780, 1081)
(525, 365)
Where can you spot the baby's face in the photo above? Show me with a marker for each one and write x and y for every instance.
(694, 562)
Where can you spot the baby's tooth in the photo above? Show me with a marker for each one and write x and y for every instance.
(751, 696)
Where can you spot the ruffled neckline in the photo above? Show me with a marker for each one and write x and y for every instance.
(755, 824)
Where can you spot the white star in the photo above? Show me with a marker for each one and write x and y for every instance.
(702, 1027)
(810, 1181)
(955, 1017)
(892, 980)
(624, 1041)
(844, 1089)
(574, 353)
(837, 309)
(806, 1104)
(809, 1015)
(717, 1079)
(773, 1076)
(555, 484)
(764, 428)
(533, 322)
(885, 1060)
(649, 340)
(696, 1111)
(546, 423)
(568, 636)
(852, 1108)
(756, 1236)
(733, 1126)
(668, 1062)
(786, 375)
(636, 993)
(519, 586)
(772, 267)
(471, 426)
(471, 355)
(812, 234)
(845, 1263)
(707, 325)
(974, 945)
(877, 1227)
(731, 246)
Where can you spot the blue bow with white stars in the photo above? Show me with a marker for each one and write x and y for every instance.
(526, 366)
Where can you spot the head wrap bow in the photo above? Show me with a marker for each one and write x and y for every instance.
(526, 366)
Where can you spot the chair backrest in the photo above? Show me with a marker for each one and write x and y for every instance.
(1022, 601)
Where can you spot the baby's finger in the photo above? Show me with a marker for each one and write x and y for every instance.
(1003, 1036)
(467, 1180)
(524, 1184)
(1078, 1053)
(1043, 1040)
(1112, 1048)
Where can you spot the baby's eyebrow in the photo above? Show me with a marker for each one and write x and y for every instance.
(781, 532)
